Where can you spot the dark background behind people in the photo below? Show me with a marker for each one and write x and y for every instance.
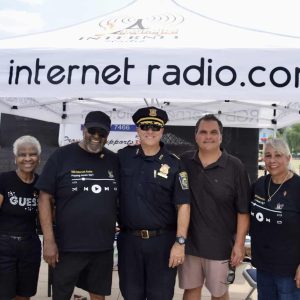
(240, 142)
(14, 126)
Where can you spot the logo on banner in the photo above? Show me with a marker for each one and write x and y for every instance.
(138, 29)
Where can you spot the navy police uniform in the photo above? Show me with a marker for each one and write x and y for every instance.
(151, 188)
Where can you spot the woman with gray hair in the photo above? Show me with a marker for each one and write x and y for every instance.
(275, 226)
(20, 247)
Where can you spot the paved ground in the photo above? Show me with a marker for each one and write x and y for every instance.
(238, 290)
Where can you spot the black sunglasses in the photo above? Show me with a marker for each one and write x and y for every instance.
(230, 275)
(100, 131)
(153, 127)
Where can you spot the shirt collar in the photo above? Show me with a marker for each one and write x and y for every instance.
(221, 162)
(158, 156)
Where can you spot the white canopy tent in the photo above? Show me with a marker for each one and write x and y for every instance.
(153, 52)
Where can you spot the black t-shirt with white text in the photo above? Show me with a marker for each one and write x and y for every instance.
(275, 226)
(18, 211)
(85, 190)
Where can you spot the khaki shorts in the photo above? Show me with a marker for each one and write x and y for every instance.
(195, 271)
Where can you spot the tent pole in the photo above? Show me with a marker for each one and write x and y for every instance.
(274, 121)
(61, 137)
(275, 131)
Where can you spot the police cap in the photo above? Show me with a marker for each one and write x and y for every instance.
(150, 115)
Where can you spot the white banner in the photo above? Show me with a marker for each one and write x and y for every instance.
(243, 74)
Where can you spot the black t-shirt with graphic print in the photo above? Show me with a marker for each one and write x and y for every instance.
(275, 226)
(19, 209)
(85, 190)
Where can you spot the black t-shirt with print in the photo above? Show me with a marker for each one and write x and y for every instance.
(275, 226)
(85, 190)
(19, 209)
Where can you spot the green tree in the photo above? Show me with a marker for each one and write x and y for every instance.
(293, 137)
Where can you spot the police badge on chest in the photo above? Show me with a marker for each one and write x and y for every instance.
(163, 171)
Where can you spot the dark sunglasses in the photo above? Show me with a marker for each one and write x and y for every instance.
(153, 127)
(230, 275)
(100, 131)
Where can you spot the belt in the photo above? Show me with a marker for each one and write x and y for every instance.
(16, 237)
(146, 234)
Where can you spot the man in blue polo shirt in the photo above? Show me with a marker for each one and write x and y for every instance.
(154, 212)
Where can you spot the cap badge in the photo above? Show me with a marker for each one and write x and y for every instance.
(152, 112)
(164, 171)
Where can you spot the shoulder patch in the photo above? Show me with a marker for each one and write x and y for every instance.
(183, 179)
(174, 155)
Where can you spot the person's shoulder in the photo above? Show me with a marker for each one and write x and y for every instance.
(128, 150)
(110, 153)
(296, 178)
(68, 147)
(187, 155)
(65, 148)
(172, 155)
(234, 160)
(7, 174)
(171, 158)
(261, 180)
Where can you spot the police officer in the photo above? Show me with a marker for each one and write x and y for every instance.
(154, 212)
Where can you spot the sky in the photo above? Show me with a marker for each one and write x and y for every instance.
(19, 17)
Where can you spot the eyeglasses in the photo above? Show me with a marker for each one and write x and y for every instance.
(153, 127)
(100, 131)
(230, 275)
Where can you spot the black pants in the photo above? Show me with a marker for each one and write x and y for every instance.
(19, 266)
(143, 267)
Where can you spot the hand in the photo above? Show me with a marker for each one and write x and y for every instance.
(237, 255)
(297, 277)
(176, 255)
(50, 253)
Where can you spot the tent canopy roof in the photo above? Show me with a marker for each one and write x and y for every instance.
(153, 50)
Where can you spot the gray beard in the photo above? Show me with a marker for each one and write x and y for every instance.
(95, 150)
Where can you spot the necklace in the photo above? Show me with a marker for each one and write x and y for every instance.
(270, 196)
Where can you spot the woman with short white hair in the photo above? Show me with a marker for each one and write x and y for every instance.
(20, 247)
(275, 226)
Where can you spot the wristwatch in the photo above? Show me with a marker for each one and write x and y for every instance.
(180, 240)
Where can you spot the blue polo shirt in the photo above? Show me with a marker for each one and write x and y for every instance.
(151, 188)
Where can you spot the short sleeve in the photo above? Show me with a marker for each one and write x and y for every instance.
(243, 189)
(181, 194)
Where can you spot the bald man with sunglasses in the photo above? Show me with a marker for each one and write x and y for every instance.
(154, 212)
